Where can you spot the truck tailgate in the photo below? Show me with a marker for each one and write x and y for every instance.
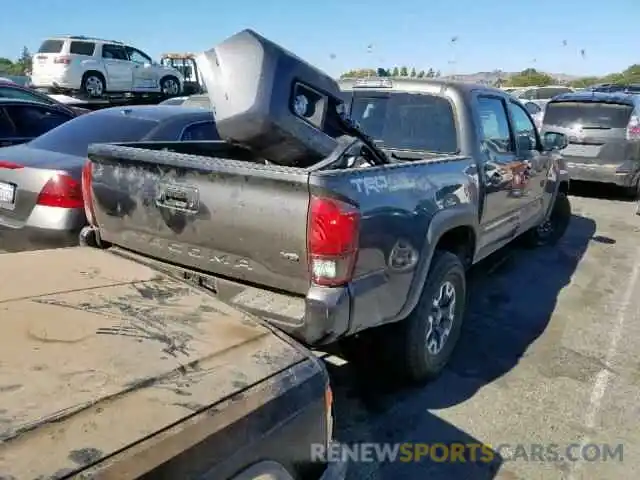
(98, 352)
(232, 218)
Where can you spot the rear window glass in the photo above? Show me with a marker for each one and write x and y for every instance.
(82, 48)
(408, 121)
(588, 114)
(75, 136)
(51, 46)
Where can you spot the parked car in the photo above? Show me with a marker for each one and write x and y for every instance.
(604, 136)
(118, 369)
(615, 87)
(540, 93)
(95, 67)
(24, 120)
(379, 231)
(536, 110)
(13, 90)
(173, 101)
(40, 196)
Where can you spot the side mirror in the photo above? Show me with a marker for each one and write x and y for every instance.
(525, 143)
(554, 141)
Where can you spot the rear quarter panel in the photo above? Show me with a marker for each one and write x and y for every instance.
(405, 208)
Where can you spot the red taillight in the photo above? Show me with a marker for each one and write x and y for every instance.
(87, 192)
(333, 234)
(61, 191)
(10, 165)
(633, 128)
(62, 60)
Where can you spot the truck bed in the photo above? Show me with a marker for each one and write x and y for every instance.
(98, 353)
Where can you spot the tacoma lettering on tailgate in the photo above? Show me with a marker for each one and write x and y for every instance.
(205, 254)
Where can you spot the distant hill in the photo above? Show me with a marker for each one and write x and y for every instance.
(492, 77)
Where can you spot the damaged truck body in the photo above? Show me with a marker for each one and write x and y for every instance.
(332, 211)
(168, 348)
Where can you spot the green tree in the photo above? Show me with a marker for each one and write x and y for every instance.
(530, 78)
(438, 74)
(5, 65)
(431, 73)
(413, 73)
(25, 61)
(404, 71)
(359, 73)
(421, 74)
(395, 72)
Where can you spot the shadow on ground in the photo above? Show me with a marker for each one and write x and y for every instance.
(513, 295)
(600, 190)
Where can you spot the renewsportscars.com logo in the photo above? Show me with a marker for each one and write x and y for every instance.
(465, 452)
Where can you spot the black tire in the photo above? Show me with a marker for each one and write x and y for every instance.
(404, 347)
(90, 84)
(165, 85)
(551, 231)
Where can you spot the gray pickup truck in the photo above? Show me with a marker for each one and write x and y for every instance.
(111, 369)
(345, 245)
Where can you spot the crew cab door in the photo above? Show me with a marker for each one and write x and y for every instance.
(118, 67)
(499, 170)
(145, 75)
(534, 164)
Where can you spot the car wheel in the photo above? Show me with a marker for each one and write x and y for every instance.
(418, 348)
(93, 85)
(553, 229)
(170, 86)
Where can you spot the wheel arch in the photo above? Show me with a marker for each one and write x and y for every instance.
(455, 230)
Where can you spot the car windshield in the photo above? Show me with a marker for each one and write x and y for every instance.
(74, 137)
(407, 121)
(588, 114)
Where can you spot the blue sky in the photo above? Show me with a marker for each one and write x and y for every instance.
(492, 34)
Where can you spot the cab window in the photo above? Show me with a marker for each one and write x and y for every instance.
(494, 125)
(522, 124)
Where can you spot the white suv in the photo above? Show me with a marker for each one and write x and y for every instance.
(95, 67)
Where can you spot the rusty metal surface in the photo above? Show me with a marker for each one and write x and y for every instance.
(98, 352)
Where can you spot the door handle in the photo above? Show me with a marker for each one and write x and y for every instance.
(182, 198)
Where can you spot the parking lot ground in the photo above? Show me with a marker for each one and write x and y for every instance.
(548, 356)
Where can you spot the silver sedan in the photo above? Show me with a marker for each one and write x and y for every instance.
(41, 202)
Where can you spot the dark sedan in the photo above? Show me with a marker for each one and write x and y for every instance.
(24, 120)
(40, 181)
(15, 91)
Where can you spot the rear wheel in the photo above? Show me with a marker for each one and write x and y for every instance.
(429, 335)
(553, 229)
(93, 84)
(170, 86)
(418, 348)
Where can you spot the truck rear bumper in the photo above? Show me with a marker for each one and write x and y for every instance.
(318, 319)
(621, 174)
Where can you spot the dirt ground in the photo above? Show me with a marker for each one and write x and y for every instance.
(548, 356)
